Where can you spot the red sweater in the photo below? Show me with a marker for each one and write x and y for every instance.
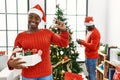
(92, 43)
(40, 40)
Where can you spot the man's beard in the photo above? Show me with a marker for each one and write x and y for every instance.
(89, 28)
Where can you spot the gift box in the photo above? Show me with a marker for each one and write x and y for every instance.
(116, 75)
(72, 76)
(2, 53)
(30, 57)
(30, 60)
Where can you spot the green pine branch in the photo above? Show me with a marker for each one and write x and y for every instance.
(63, 59)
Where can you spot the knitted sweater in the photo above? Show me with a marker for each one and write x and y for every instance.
(92, 43)
(40, 40)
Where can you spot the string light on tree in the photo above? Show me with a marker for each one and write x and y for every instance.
(63, 59)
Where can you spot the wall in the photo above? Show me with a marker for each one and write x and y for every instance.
(113, 22)
(97, 9)
(106, 14)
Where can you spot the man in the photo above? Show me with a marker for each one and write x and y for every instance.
(91, 45)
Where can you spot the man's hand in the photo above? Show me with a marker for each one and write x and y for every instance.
(79, 41)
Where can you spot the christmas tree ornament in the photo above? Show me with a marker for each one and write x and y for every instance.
(63, 59)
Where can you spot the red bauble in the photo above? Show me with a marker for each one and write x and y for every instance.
(66, 58)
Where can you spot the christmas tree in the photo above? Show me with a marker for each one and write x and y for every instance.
(63, 59)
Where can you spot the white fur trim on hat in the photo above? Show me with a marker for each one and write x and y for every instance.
(89, 23)
(36, 11)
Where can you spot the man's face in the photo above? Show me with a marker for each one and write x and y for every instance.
(89, 28)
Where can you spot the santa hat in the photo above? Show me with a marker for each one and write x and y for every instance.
(89, 21)
(39, 11)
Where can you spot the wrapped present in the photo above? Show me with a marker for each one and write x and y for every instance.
(30, 58)
(72, 76)
(2, 53)
(116, 75)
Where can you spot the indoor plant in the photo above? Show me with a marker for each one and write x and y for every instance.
(118, 55)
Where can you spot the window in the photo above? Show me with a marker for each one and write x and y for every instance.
(74, 11)
(13, 18)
